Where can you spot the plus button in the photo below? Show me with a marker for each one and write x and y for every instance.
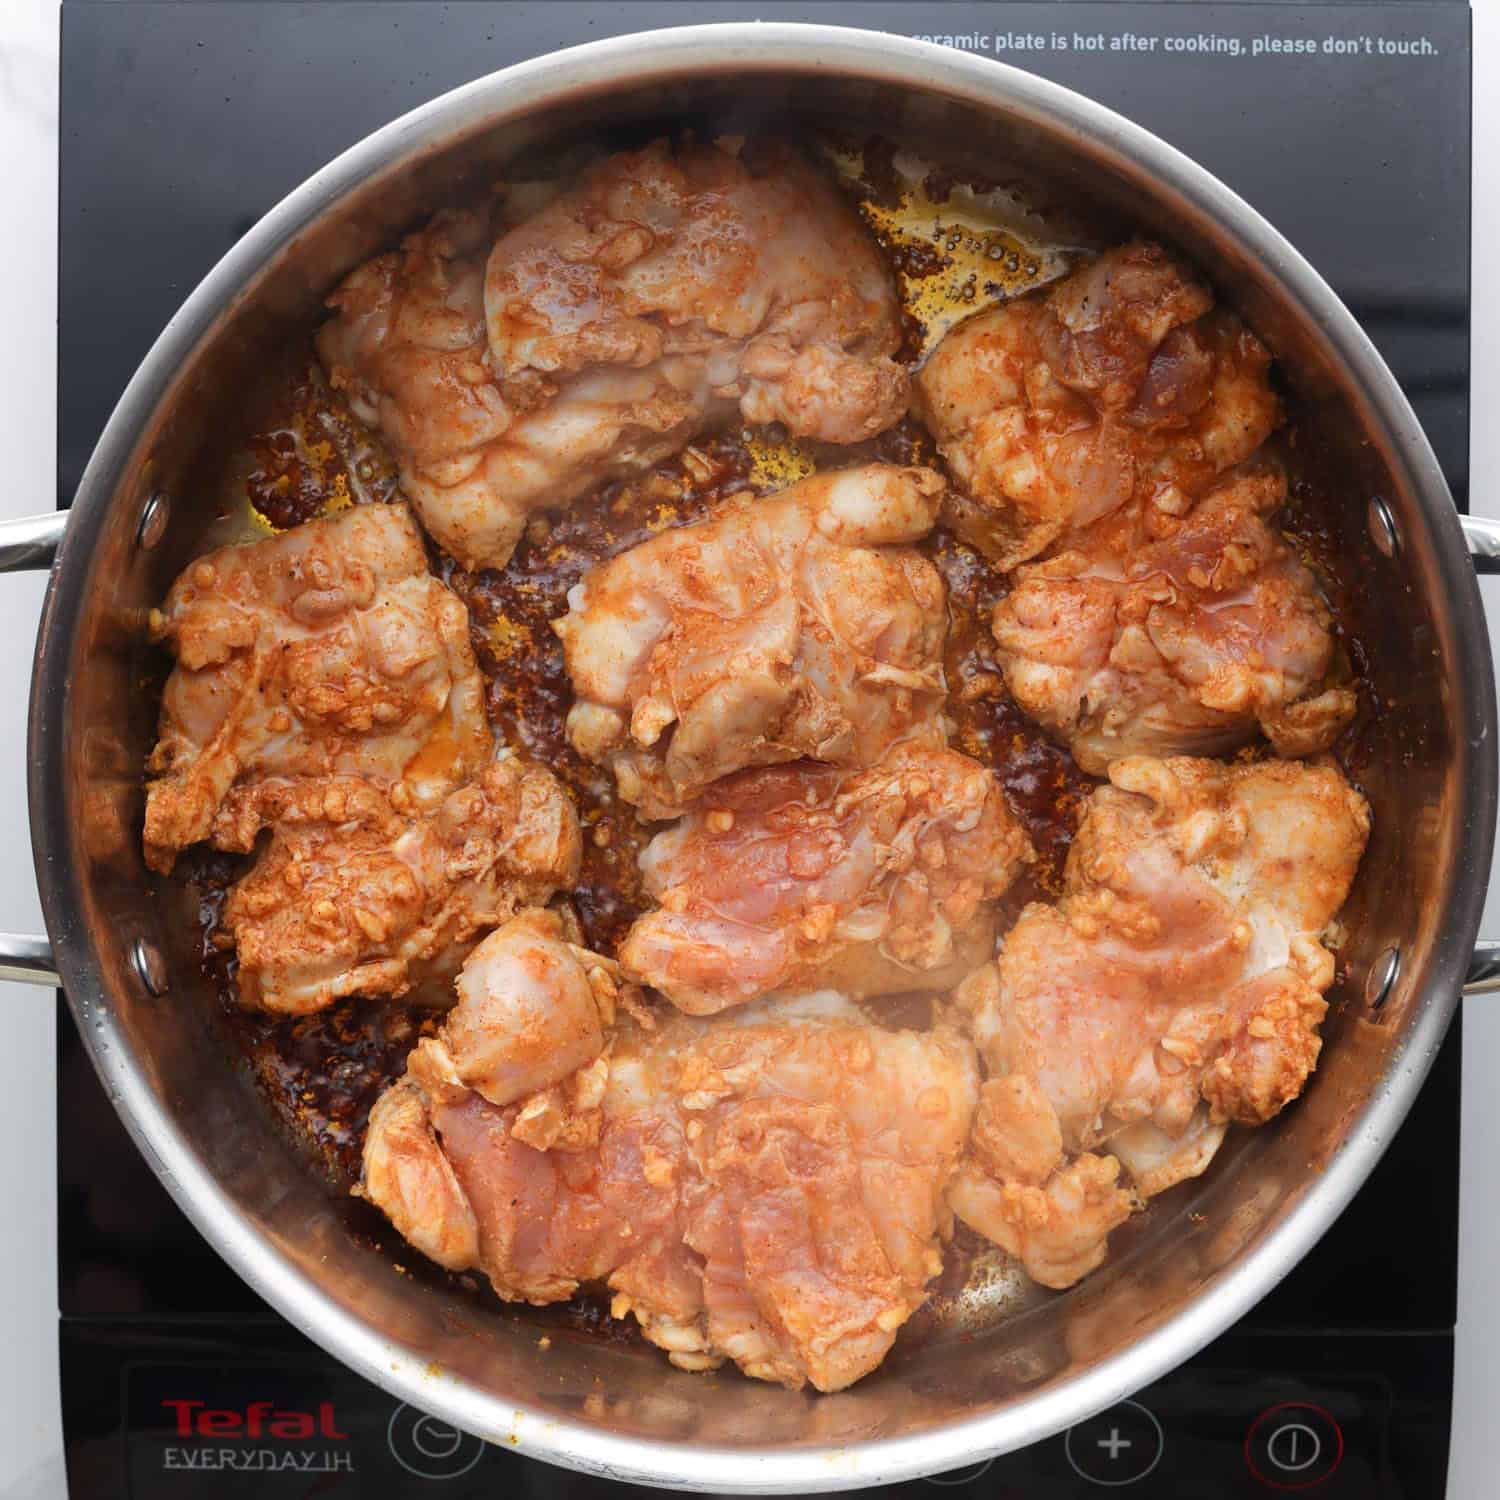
(1116, 1449)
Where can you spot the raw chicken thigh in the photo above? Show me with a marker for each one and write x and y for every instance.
(765, 1188)
(804, 876)
(669, 288)
(1177, 986)
(1186, 642)
(326, 650)
(1109, 425)
(1120, 384)
(359, 892)
(796, 626)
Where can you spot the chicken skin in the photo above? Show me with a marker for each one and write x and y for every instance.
(1176, 987)
(1187, 642)
(799, 626)
(765, 1188)
(1120, 385)
(326, 650)
(799, 877)
(669, 288)
(358, 891)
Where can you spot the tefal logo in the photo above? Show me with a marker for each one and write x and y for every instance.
(260, 1419)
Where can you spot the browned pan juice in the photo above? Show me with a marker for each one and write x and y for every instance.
(954, 248)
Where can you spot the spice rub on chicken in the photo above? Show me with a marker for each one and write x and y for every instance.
(799, 626)
(802, 876)
(1110, 429)
(593, 331)
(325, 689)
(765, 1188)
(358, 892)
(328, 649)
(1176, 987)
(1121, 385)
(1187, 638)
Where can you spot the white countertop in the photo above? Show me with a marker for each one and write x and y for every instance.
(30, 1429)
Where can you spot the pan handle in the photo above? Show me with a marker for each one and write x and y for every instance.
(1484, 968)
(1483, 538)
(29, 543)
(27, 960)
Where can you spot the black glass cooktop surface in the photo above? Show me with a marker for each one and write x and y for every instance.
(1345, 124)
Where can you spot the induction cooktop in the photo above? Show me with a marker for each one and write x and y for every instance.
(1347, 125)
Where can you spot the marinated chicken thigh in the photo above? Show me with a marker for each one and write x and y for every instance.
(534, 1019)
(669, 288)
(803, 876)
(792, 627)
(1121, 384)
(1185, 641)
(1176, 987)
(326, 650)
(360, 892)
(765, 1188)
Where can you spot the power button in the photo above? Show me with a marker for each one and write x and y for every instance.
(1293, 1446)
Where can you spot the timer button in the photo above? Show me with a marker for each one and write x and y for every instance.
(428, 1448)
(1293, 1446)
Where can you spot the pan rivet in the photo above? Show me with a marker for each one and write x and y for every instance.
(154, 516)
(1382, 526)
(1381, 978)
(148, 966)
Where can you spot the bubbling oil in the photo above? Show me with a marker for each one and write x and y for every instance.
(955, 248)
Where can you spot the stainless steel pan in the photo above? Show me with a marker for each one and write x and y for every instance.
(608, 1407)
